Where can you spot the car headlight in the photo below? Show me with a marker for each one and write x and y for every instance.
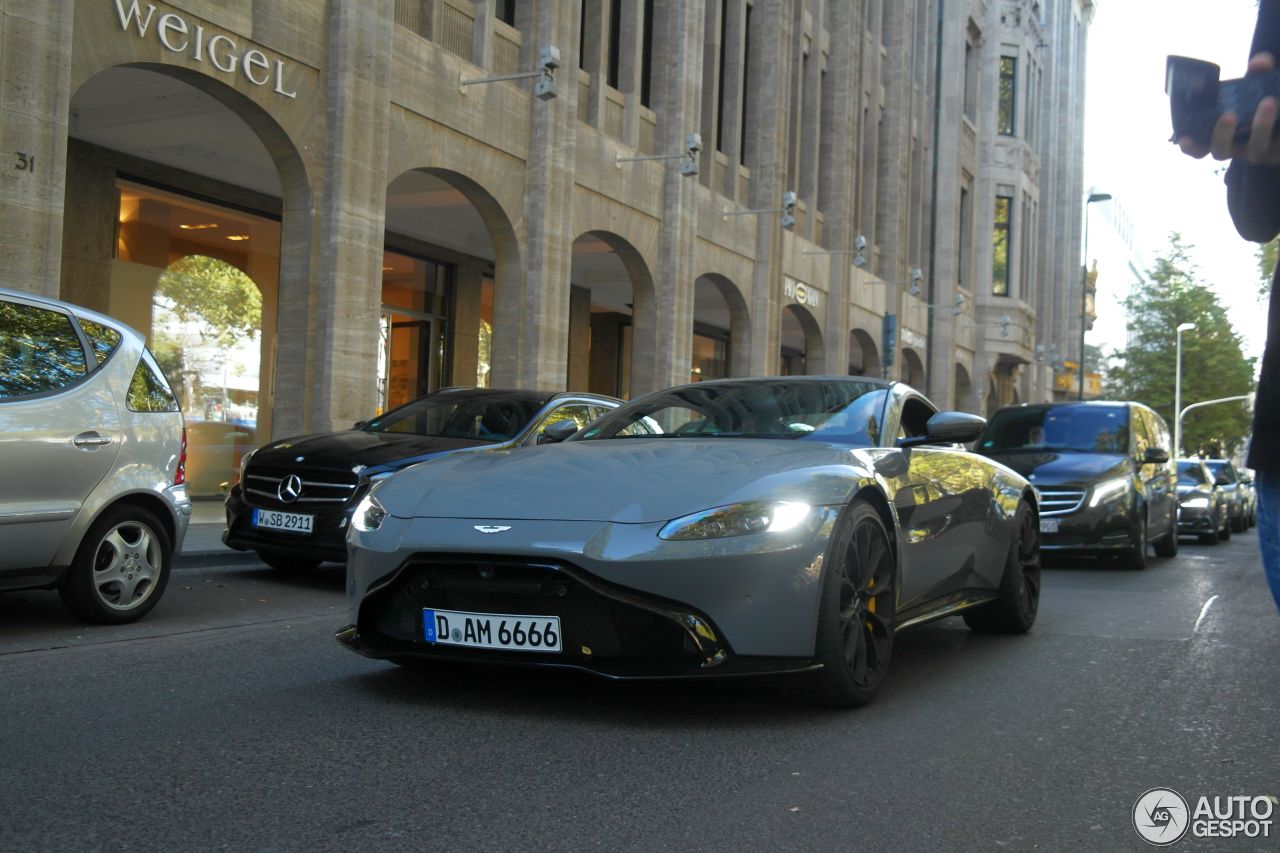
(738, 520)
(1108, 489)
(244, 463)
(368, 515)
(1196, 503)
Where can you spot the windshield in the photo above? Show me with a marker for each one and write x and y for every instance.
(490, 417)
(838, 411)
(1191, 474)
(1222, 471)
(1080, 428)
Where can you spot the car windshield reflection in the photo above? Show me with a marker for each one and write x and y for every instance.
(829, 411)
(488, 417)
(1070, 428)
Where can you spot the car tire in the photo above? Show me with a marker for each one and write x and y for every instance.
(856, 625)
(1014, 610)
(287, 562)
(1209, 538)
(1167, 545)
(120, 569)
(1225, 533)
(1136, 557)
(1238, 525)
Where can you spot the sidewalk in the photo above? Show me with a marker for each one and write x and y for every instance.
(203, 543)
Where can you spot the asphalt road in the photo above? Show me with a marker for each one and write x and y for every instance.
(231, 719)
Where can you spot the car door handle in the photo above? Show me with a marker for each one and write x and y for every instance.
(91, 439)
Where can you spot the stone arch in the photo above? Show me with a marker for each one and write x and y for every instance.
(864, 356)
(719, 303)
(447, 208)
(801, 345)
(964, 390)
(614, 341)
(912, 368)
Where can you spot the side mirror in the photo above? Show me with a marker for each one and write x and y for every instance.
(1156, 456)
(948, 428)
(359, 424)
(558, 431)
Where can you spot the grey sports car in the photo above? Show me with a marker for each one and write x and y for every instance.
(735, 527)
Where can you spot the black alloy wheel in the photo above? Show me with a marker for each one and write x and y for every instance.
(857, 613)
(1014, 611)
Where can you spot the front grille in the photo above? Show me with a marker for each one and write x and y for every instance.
(597, 622)
(319, 488)
(1060, 501)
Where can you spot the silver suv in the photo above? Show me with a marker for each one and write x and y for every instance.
(93, 450)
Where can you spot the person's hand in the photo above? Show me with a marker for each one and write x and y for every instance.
(1262, 148)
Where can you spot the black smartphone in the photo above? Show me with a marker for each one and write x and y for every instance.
(1197, 96)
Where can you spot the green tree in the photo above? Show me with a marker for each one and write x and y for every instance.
(1266, 266)
(1213, 361)
(213, 293)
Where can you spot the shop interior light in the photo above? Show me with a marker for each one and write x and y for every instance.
(197, 226)
(237, 237)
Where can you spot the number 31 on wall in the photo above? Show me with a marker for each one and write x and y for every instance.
(25, 162)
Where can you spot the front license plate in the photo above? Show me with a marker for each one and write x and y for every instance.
(1048, 525)
(492, 630)
(293, 522)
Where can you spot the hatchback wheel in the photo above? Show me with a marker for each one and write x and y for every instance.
(121, 569)
(856, 617)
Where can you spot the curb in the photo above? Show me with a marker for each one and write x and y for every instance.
(206, 559)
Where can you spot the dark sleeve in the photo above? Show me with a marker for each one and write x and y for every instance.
(1253, 192)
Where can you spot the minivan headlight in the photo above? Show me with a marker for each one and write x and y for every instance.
(369, 515)
(1108, 489)
(738, 520)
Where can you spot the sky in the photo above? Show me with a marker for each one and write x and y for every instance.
(1128, 153)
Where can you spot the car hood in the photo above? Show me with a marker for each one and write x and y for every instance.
(358, 448)
(1054, 468)
(637, 480)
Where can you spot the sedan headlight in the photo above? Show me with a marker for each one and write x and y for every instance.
(1108, 489)
(368, 515)
(1196, 503)
(738, 520)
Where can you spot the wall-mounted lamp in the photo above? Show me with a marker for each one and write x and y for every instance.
(956, 305)
(545, 89)
(692, 145)
(788, 210)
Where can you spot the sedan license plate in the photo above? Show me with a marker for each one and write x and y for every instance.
(293, 522)
(1048, 525)
(492, 630)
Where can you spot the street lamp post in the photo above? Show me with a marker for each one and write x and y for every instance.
(1177, 393)
(1084, 281)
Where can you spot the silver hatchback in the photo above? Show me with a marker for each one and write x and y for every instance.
(93, 498)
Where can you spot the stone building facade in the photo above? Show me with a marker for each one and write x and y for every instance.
(402, 225)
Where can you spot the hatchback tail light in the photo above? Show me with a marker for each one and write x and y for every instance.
(180, 475)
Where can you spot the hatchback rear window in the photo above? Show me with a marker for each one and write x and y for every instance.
(39, 351)
(102, 339)
(148, 391)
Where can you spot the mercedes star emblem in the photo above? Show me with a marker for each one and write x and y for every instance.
(493, 528)
(289, 489)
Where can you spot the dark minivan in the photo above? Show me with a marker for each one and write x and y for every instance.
(1102, 472)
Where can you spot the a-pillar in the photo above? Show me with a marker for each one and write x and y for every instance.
(340, 347)
(35, 81)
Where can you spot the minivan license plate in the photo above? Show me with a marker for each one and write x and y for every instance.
(492, 630)
(293, 522)
(1048, 525)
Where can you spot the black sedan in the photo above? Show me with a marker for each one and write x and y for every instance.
(295, 496)
(1202, 504)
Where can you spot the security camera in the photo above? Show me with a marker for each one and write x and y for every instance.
(788, 201)
(545, 89)
(860, 244)
(916, 276)
(689, 167)
(693, 143)
(549, 58)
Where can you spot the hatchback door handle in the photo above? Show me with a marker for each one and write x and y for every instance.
(91, 439)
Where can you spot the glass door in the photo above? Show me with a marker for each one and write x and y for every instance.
(407, 367)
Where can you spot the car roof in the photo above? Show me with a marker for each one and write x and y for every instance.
(541, 397)
(78, 310)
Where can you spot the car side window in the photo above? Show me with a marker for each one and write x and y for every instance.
(39, 351)
(579, 413)
(148, 390)
(915, 418)
(102, 339)
(1140, 427)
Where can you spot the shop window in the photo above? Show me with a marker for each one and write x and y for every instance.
(484, 349)
(710, 358)
(415, 302)
(198, 279)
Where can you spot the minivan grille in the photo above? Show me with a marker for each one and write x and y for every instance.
(1060, 501)
(263, 486)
